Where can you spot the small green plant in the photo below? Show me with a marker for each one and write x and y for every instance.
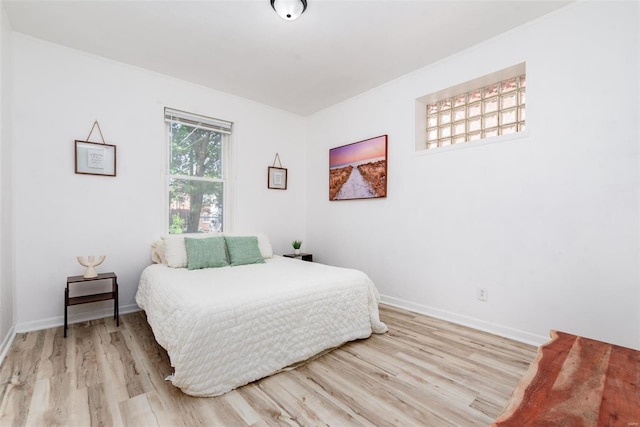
(296, 244)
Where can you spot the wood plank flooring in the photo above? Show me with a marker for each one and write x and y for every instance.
(423, 372)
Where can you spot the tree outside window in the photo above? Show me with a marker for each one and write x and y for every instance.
(196, 179)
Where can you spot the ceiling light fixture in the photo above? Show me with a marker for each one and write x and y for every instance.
(289, 9)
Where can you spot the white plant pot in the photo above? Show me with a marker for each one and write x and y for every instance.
(296, 251)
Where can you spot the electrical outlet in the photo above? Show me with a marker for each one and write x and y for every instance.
(482, 294)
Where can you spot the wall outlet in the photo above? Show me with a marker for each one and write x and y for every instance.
(482, 294)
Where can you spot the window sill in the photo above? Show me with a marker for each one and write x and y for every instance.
(471, 144)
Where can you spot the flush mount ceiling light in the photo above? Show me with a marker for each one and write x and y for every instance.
(289, 9)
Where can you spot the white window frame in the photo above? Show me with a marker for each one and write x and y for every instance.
(222, 126)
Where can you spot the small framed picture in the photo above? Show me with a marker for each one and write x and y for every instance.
(93, 158)
(277, 178)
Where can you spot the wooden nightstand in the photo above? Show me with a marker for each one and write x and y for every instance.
(84, 299)
(302, 256)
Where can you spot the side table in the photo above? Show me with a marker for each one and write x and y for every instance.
(84, 299)
(303, 256)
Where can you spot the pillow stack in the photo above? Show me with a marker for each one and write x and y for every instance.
(206, 251)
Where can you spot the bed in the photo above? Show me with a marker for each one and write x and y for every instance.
(228, 326)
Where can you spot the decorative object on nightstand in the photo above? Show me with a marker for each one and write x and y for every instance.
(296, 246)
(84, 299)
(91, 265)
(303, 256)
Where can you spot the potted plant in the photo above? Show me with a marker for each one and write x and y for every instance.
(296, 246)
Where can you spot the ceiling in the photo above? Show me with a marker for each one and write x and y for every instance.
(335, 50)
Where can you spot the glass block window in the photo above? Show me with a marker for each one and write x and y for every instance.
(495, 109)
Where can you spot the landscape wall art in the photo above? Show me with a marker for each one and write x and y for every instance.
(359, 170)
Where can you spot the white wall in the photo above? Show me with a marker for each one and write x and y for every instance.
(547, 223)
(58, 93)
(6, 252)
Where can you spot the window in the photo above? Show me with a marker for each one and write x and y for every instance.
(198, 167)
(490, 106)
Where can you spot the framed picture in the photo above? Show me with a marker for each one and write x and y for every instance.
(277, 178)
(359, 170)
(94, 158)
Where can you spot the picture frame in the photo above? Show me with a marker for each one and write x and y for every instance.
(94, 158)
(359, 170)
(276, 178)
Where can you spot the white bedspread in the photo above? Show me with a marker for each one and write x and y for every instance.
(225, 327)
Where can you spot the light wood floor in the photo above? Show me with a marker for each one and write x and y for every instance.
(423, 372)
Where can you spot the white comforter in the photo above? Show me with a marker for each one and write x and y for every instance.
(225, 327)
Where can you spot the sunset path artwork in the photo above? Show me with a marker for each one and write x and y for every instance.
(359, 170)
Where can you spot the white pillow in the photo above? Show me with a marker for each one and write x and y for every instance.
(265, 245)
(175, 252)
(263, 242)
(157, 252)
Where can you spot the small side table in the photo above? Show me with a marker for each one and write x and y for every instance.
(303, 256)
(84, 299)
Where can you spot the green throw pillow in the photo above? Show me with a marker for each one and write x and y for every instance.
(243, 250)
(208, 252)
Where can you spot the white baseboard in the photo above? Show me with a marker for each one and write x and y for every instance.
(493, 328)
(56, 321)
(6, 343)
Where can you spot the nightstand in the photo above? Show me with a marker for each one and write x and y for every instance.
(84, 299)
(302, 256)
